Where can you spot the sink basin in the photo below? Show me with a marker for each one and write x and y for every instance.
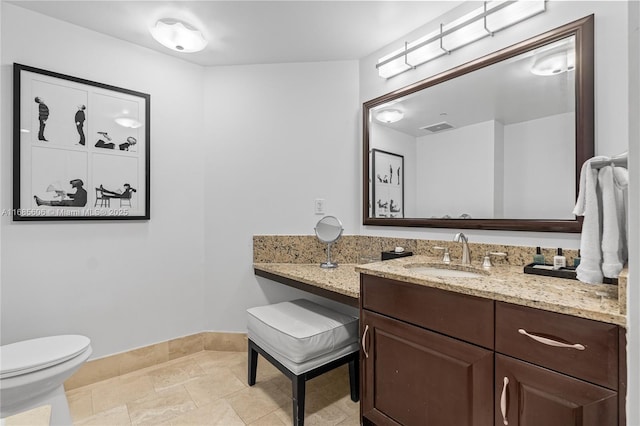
(443, 271)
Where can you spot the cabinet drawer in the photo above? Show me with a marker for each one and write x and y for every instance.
(464, 317)
(587, 349)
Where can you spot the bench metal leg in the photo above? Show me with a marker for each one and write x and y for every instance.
(354, 378)
(253, 365)
(298, 391)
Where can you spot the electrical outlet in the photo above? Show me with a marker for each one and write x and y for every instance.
(319, 206)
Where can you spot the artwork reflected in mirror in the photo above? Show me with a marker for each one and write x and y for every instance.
(493, 144)
(388, 186)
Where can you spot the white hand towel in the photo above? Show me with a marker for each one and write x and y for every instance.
(621, 183)
(589, 270)
(612, 242)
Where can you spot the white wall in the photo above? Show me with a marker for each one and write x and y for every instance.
(450, 156)
(537, 182)
(633, 333)
(611, 87)
(124, 284)
(277, 137)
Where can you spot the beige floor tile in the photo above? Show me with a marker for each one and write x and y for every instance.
(257, 401)
(271, 419)
(80, 404)
(218, 413)
(162, 407)
(210, 387)
(264, 372)
(120, 391)
(39, 416)
(175, 374)
(352, 409)
(117, 416)
(212, 360)
(350, 421)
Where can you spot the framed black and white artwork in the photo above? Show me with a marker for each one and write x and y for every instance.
(388, 184)
(80, 149)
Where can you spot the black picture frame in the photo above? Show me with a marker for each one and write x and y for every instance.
(388, 187)
(81, 149)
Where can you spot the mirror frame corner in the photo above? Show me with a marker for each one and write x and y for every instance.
(583, 30)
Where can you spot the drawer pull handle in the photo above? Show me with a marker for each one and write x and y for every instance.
(364, 336)
(503, 401)
(551, 342)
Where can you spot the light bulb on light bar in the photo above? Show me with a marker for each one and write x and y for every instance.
(467, 33)
(389, 115)
(491, 17)
(178, 36)
(395, 67)
(128, 122)
(512, 14)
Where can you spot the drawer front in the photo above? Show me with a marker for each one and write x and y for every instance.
(578, 347)
(464, 317)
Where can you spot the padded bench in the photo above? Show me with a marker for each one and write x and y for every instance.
(303, 340)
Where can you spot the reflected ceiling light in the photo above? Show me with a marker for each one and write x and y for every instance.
(555, 63)
(178, 35)
(389, 115)
(493, 16)
(128, 122)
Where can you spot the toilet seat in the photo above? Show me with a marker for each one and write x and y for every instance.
(37, 354)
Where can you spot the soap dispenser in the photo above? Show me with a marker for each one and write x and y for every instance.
(538, 258)
(559, 261)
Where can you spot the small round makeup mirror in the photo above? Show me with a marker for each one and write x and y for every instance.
(329, 230)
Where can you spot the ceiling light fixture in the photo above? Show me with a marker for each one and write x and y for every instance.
(555, 63)
(389, 115)
(178, 35)
(492, 17)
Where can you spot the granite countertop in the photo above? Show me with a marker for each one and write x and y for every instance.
(503, 283)
(342, 280)
(510, 284)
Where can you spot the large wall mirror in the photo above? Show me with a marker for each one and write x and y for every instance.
(496, 143)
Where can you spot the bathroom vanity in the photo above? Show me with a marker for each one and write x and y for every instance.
(439, 350)
(439, 340)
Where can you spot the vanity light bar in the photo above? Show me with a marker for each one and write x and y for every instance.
(482, 22)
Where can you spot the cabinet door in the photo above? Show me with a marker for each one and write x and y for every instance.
(528, 395)
(412, 376)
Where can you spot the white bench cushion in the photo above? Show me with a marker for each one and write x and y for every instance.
(301, 330)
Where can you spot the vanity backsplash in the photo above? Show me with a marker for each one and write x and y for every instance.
(364, 249)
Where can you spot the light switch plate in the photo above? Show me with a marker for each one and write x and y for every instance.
(319, 206)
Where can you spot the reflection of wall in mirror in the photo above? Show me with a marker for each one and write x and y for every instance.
(487, 170)
(390, 140)
(540, 168)
(449, 180)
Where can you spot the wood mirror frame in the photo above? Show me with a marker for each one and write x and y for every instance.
(583, 31)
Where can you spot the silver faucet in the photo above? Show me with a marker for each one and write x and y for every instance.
(465, 247)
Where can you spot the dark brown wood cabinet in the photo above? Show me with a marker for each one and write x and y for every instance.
(528, 395)
(438, 358)
(417, 377)
(421, 359)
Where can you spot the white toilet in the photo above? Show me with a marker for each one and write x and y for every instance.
(32, 373)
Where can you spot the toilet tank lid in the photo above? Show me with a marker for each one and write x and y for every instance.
(36, 354)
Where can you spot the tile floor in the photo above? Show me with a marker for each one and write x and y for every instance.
(210, 388)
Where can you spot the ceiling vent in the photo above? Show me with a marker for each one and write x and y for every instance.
(438, 127)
